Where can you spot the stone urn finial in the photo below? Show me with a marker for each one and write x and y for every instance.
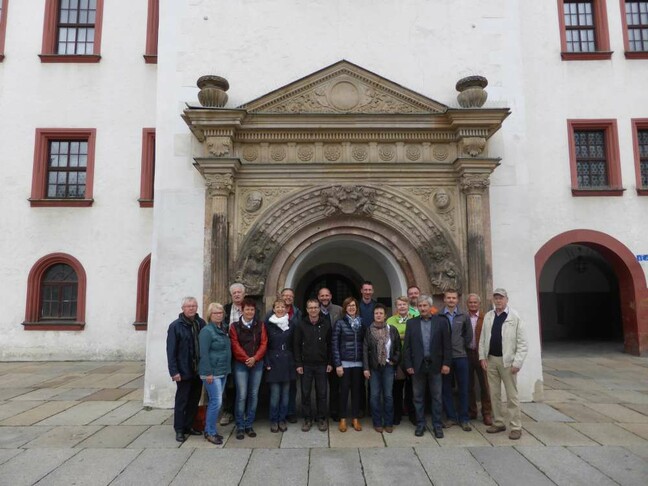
(212, 91)
(471, 91)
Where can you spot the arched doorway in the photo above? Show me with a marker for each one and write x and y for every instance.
(590, 286)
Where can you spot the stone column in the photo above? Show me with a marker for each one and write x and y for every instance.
(475, 187)
(219, 187)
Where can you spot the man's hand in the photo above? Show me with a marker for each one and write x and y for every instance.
(209, 379)
(484, 364)
(328, 368)
(340, 371)
(410, 371)
(514, 370)
(445, 370)
(176, 377)
(300, 371)
(250, 362)
(367, 374)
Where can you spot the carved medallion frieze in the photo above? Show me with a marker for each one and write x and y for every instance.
(386, 152)
(360, 152)
(219, 146)
(333, 152)
(278, 152)
(348, 200)
(413, 152)
(305, 152)
(440, 152)
(250, 152)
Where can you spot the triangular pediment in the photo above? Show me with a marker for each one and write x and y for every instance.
(344, 87)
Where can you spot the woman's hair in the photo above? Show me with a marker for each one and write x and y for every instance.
(214, 306)
(347, 302)
(278, 301)
(403, 298)
(248, 302)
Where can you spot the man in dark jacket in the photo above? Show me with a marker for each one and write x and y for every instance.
(331, 313)
(426, 356)
(183, 355)
(313, 362)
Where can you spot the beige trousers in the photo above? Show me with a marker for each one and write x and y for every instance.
(498, 374)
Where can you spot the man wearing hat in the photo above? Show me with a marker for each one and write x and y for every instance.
(502, 350)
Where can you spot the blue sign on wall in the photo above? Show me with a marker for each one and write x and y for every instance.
(642, 258)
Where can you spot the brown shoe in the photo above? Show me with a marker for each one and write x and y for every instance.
(494, 429)
(488, 420)
(378, 429)
(449, 423)
(389, 429)
(515, 434)
(342, 426)
(307, 425)
(356, 425)
(322, 425)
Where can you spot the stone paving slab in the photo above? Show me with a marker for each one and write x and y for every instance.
(453, 467)
(92, 467)
(154, 467)
(277, 466)
(456, 437)
(9, 409)
(14, 437)
(39, 413)
(501, 439)
(39, 394)
(22, 380)
(403, 436)
(135, 384)
(617, 463)
(6, 454)
(638, 407)
(63, 436)
(550, 395)
(117, 379)
(619, 413)
(81, 414)
(74, 393)
(135, 395)
(107, 394)
(294, 438)
(156, 437)
(336, 467)
(564, 467)
(541, 412)
(200, 467)
(113, 437)
(596, 396)
(60, 380)
(639, 451)
(108, 368)
(149, 417)
(610, 434)
(264, 439)
(120, 414)
(32, 465)
(9, 393)
(392, 466)
(638, 429)
(634, 397)
(557, 434)
(579, 412)
(508, 467)
(367, 437)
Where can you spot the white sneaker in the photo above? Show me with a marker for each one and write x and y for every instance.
(226, 418)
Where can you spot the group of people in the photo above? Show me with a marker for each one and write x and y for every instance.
(353, 349)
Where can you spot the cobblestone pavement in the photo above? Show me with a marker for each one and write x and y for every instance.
(83, 423)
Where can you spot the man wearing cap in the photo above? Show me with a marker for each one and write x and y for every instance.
(502, 350)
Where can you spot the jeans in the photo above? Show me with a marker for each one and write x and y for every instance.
(186, 403)
(279, 398)
(316, 373)
(459, 370)
(247, 382)
(381, 383)
(352, 380)
(215, 393)
(433, 380)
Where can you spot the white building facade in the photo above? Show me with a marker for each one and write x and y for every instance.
(562, 223)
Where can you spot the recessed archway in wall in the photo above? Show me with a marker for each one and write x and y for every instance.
(633, 295)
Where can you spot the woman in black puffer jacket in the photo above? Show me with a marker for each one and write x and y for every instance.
(348, 336)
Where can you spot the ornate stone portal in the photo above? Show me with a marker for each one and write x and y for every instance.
(344, 151)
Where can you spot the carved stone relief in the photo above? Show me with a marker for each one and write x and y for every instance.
(219, 146)
(440, 152)
(348, 200)
(278, 152)
(219, 184)
(386, 152)
(249, 197)
(360, 152)
(443, 201)
(332, 152)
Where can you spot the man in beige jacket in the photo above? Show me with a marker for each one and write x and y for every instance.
(502, 350)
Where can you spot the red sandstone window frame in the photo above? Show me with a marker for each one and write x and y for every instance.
(148, 168)
(152, 28)
(612, 156)
(39, 174)
(638, 124)
(3, 26)
(33, 322)
(601, 33)
(626, 40)
(50, 27)
(141, 308)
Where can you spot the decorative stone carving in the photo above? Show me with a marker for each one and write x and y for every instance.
(305, 152)
(348, 200)
(253, 201)
(360, 152)
(219, 146)
(250, 153)
(212, 91)
(440, 152)
(386, 152)
(473, 146)
(474, 183)
(413, 152)
(471, 91)
(268, 196)
(332, 152)
(219, 184)
(441, 199)
(278, 153)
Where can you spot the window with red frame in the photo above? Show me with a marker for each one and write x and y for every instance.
(642, 141)
(59, 289)
(152, 27)
(3, 26)
(66, 169)
(636, 16)
(76, 27)
(591, 162)
(583, 30)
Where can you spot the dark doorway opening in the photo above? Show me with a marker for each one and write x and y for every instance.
(341, 280)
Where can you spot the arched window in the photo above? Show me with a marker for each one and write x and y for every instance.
(141, 309)
(56, 290)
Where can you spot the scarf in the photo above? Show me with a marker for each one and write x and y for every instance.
(355, 322)
(281, 322)
(381, 336)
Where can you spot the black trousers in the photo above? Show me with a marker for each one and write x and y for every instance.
(186, 403)
(317, 374)
(352, 380)
(334, 392)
